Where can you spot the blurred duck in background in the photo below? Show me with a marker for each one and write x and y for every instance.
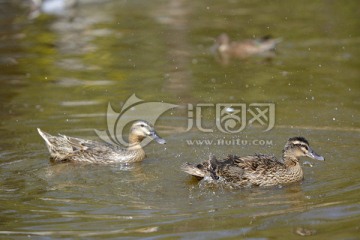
(225, 49)
(52, 7)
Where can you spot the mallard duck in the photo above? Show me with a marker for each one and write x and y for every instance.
(226, 49)
(258, 169)
(63, 148)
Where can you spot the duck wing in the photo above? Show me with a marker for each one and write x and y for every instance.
(78, 144)
(213, 167)
(234, 169)
(254, 162)
(62, 147)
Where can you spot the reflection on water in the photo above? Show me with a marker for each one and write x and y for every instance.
(60, 71)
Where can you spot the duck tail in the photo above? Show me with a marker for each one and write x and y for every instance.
(266, 38)
(270, 38)
(277, 40)
(45, 136)
(194, 170)
(268, 43)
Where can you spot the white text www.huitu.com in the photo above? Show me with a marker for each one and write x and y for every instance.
(228, 142)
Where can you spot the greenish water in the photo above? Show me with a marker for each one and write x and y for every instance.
(59, 72)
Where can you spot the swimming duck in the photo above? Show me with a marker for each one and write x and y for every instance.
(63, 148)
(226, 49)
(258, 169)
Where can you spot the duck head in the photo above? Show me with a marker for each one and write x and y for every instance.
(142, 129)
(299, 147)
(223, 42)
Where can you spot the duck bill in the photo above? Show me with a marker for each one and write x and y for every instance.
(156, 137)
(314, 155)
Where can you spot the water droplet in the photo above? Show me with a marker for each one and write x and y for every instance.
(307, 163)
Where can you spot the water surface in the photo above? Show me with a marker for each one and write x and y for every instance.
(59, 72)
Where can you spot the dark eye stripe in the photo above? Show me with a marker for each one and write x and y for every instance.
(302, 145)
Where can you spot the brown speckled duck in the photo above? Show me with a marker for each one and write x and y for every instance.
(258, 169)
(225, 49)
(63, 148)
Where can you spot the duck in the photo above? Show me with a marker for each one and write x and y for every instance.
(258, 169)
(70, 149)
(225, 49)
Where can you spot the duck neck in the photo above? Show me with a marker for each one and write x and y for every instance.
(290, 160)
(134, 142)
(293, 167)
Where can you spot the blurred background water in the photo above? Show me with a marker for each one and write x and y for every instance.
(62, 62)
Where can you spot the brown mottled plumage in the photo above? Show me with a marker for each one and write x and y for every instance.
(258, 169)
(63, 148)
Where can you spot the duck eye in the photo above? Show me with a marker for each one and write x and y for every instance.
(304, 148)
(142, 125)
